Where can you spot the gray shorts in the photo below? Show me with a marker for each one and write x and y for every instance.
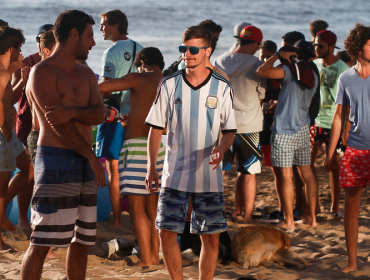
(9, 151)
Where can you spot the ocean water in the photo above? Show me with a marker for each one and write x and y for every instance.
(160, 23)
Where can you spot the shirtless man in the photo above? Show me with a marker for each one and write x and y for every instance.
(12, 150)
(142, 205)
(66, 98)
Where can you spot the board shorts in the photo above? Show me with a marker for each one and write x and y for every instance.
(354, 168)
(9, 151)
(64, 199)
(291, 149)
(208, 215)
(109, 140)
(247, 148)
(323, 134)
(32, 144)
(312, 135)
(132, 166)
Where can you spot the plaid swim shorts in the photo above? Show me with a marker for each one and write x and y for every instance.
(354, 168)
(291, 149)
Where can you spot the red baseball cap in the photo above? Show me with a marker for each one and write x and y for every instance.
(251, 33)
(328, 37)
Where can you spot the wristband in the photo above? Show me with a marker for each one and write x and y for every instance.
(278, 54)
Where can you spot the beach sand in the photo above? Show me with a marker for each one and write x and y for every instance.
(323, 247)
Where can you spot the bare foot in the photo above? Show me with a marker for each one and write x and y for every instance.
(236, 213)
(285, 225)
(51, 255)
(7, 224)
(308, 220)
(140, 263)
(118, 225)
(349, 268)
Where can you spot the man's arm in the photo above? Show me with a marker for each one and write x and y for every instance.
(45, 94)
(107, 86)
(18, 81)
(94, 114)
(336, 129)
(267, 70)
(226, 141)
(154, 142)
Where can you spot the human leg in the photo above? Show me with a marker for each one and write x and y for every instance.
(33, 261)
(334, 185)
(300, 202)
(114, 191)
(76, 261)
(151, 212)
(208, 255)
(137, 207)
(239, 195)
(249, 189)
(171, 253)
(4, 181)
(286, 190)
(314, 153)
(352, 206)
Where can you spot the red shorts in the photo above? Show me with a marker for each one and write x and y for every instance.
(266, 152)
(312, 134)
(354, 168)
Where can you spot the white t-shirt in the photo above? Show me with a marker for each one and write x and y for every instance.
(193, 116)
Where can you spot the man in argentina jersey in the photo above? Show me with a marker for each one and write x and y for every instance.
(194, 104)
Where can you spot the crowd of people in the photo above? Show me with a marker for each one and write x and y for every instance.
(276, 109)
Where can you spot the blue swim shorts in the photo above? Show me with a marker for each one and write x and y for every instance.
(208, 214)
(109, 140)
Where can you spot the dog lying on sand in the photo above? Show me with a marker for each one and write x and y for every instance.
(256, 245)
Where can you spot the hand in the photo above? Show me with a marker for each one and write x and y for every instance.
(123, 120)
(286, 55)
(345, 137)
(217, 156)
(328, 165)
(7, 133)
(25, 72)
(14, 66)
(151, 175)
(57, 114)
(99, 172)
(272, 107)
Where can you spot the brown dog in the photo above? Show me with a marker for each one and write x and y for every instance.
(257, 244)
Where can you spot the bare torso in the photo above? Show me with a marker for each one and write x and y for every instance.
(141, 100)
(7, 105)
(72, 87)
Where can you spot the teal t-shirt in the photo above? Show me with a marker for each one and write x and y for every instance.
(116, 63)
(328, 91)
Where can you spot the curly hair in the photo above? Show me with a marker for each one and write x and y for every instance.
(356, 40)
(10, 38)
(151, 56)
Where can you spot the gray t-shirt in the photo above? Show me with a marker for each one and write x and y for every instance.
(355, 92)
(292, 108)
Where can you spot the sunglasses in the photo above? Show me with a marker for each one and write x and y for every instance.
(192, 50)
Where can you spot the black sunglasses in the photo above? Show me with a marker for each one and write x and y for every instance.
(192, 50)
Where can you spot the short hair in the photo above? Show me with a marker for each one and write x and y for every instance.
(243, 42)
(318, 25)
(211, 26)
(356, 40)
(10, 38)
(269, 45)
(198, 32)
(117, 17)
(3, 23)
(69, 20)
(151, 56)
(47, 40)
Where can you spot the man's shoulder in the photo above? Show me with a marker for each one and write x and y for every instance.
(172, 77)
(347, 76)
(219, 77)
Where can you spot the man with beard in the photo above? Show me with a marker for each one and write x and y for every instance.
(330, 67)
(67, 102)
(195, 103)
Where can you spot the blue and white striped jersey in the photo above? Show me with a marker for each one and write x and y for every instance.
(193, 116)
(116, 62)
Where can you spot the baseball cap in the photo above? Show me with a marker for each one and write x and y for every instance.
(328, 37)
(43, 29)
(305, 46)
(251, 33)
(292, 37)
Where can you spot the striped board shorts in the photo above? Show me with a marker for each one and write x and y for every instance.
(291, 149)
(64, 199)
(132, 166)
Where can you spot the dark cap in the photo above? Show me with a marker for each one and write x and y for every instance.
(328, 37)
(305, 46)
(251, 33)
(43, 29)
(292, 37)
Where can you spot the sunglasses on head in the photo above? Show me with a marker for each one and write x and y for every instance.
(192, 50)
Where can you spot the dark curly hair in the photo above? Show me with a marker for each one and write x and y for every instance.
(356, 40)
(151, 56)
(68, 20)
(10, 38)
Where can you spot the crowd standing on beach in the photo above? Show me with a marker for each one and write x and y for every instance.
(277, 108)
